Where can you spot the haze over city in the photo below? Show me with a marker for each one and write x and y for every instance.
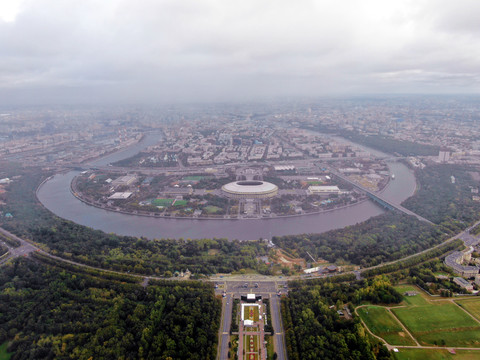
(176, 51)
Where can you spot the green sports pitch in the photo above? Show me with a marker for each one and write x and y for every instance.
(431, 321)
(442, 323)
(472, 306)
(382, 323)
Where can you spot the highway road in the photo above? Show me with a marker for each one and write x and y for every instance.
(279, 337)
(23, 250)
(225, 329)
(268, 290)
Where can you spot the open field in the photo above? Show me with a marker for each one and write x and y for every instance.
(383, 324)
(436, 354)
(419, 299)
(439, 317)
(210, 209)
(472, 306)
(443, 324)
(431, 323)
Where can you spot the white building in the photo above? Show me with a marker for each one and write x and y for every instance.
(324, 189)
(120, 196)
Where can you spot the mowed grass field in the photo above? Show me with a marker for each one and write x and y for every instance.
(472, 306)
(436, 354)
(210, 209)
(382, 323)
(440, 323)
(162, 202)
(431, 321)
(419, 299)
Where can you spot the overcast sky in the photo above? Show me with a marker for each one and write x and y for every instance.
(216, 50)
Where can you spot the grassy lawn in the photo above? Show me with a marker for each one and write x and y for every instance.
(472, 306)
(162, 202)
(435, 354)
(181, 203)
(270, 348)
(418, 300)
(4, 355)
(434, 317)
(193, 178)
(383, 324)
(210, 209)
(453, 337)
(442, 324)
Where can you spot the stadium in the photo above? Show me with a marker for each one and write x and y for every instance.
(250, 190)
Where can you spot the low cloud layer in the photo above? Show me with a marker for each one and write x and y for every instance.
(190, 50)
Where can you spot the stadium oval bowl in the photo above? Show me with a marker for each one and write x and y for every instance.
(250, 189)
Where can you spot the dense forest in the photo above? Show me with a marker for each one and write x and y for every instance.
(383, 238)
(390, 145)
(51, 313)
(383, 143)
(314, 329)
(440, 198)
(414, 260)
(124, 253)
(443, 199)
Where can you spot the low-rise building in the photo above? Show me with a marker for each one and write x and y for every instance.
(124, 180)
(455, 260)
(325, 189)
(463, 283)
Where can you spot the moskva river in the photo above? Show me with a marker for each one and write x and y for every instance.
(55, 195)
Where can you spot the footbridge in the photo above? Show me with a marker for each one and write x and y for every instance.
(378, 198)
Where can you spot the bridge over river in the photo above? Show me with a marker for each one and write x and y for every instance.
(378, 198)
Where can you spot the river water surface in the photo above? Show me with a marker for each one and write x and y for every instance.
(55, 195)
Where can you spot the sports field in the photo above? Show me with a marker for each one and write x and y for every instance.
(436, 354)
(439, 317)
(168, 202)
(180, 203)
(162, 202)
(443, 323)
(419, 299)
(472, 306)
(195, 178)
(383, 324)
(432, 321)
